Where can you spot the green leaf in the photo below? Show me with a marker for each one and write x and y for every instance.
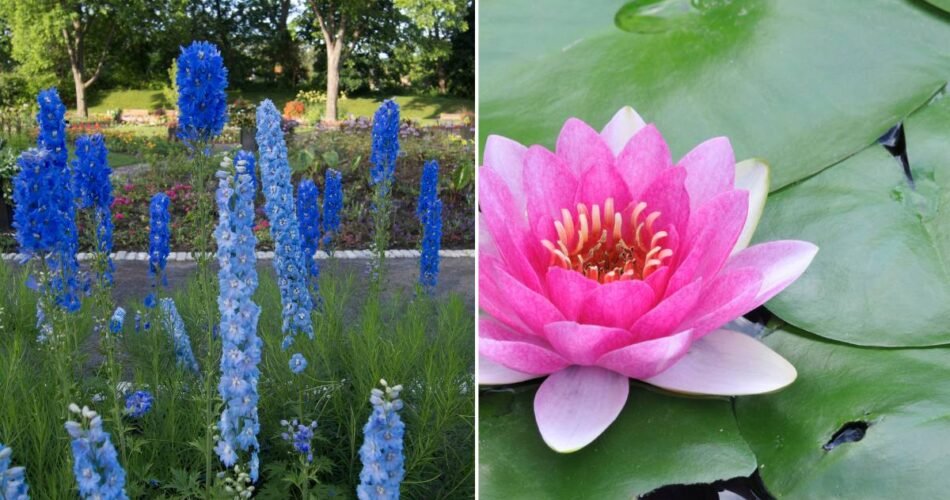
(882, 274)
(801, 84)
(658, 439)
(940, 4)
(899, 394)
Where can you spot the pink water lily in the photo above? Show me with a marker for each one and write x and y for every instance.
(604, 261)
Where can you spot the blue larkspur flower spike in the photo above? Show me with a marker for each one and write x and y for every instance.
(300, 436)
(289, 260)
(308, 211)
(138, 404)
(12, 479)
(158, 241)
(429, 212)
(175, 327)
(118, 319)
(298, 363)
(382, 449)
(385, 148)
(240, 345)
(202, 101)
(95, 461)
(94, 190)
(246, 159)
(332, 204)
(51, 120)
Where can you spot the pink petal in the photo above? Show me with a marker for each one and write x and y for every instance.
(663, 319)
(667, 195)
(550, 186)
(780, 262)
(494, 303)
(491, 373)
(710, 169)
(713, 231)
(498, 344)
(642, 159)
(727, 363)
(584, 344)
(728, 296)
(506, 157)
(577, 404)
(509, 230)
(618, 304)
(486, 244)
(581, 147)
(621, 128)
(567, 290)
(534, 309)
(645, 359)
(600, 182)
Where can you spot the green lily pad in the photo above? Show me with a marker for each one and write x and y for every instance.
(802, 83)
(658, 439)
(882, 274)
(940, 4)
(899, 394)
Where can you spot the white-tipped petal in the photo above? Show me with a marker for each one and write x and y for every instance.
(621, 128)
(576, 405)
(492, 373)
(727, 363)
(752, 175)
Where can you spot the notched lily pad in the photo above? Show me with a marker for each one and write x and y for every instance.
(882, 274)
(658, 439)
(898, 394)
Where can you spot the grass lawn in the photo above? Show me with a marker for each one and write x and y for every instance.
(425, 109)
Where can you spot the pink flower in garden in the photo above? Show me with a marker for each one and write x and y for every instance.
(605, 261)
(119, 216)
(128, 187)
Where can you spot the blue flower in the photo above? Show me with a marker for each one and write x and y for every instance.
(138, 404)
(51, 119)
(118, 319)
(385, 147)
(332, 204)
(175, 327)
(429, 212)
(95, 462)
(158, 240)
(202, 102)
(289, 260)
(298, 363)
(247, 158)
(382, 449)
(240, 346)
(300, 436)
(308, 211)
(94, 190)
(12, 479)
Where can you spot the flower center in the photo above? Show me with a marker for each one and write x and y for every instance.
(605, 246)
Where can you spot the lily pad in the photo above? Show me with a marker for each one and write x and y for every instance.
(882, 274)
(802, 83)
(859, 422)
(940, 4)
(658, 439)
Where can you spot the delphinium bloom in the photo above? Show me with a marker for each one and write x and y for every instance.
(385, 148)
(289, 261)
(298, 363)
(175, 327)
(308, 211)
(138, 404)
(12, 479)
(95, 461)
(246, 160)
(300, 436)
(604, 261)
(202, 101)
(429, 212)
(158, 240)
(241, 347)
(382, 449)
(94, 190)
(118, 319)
(332, 204)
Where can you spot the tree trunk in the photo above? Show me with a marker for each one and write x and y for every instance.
(443, 80)
(80, 93)
(333, 80)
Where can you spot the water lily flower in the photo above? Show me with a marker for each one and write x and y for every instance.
(604, 261)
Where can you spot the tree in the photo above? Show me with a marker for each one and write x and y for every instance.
(438, 21)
